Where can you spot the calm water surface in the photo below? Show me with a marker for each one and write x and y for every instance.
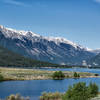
(34, 88)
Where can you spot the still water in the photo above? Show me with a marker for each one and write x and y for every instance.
(34, 88)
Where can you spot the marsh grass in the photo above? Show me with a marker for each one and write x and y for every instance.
(33, 74)
(17, 97)
(51, 96)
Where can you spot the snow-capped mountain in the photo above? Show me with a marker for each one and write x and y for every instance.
(51, 49)
(96, 51)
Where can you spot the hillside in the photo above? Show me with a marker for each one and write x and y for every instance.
(50, 49)
(95, 61)
(8, 58)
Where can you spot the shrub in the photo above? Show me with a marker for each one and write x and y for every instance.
(77, 92)
(58, 75)
(76, 75)
(96, 74)
(80, 91)
(17, 97)
(51, 96)
(1, 78)
(93, 89)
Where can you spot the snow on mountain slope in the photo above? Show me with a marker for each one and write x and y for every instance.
(8, 32)
(94, 61)
(51, 49)
(97, 51)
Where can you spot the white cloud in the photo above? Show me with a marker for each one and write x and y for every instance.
(15, 2)
(98, 1)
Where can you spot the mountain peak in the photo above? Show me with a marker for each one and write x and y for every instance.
(9, 32)
(58, 40)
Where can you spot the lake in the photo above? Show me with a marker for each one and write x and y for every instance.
(34, 88)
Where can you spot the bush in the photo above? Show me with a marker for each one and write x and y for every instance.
(1, 78)
(80, 91)
(93, 89)
(17, 97)
(77, 92)
(58, 75)
(96, 74)
(51, 96)
(76, 75)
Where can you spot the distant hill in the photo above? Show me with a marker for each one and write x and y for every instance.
(95, 61)
(9, 58)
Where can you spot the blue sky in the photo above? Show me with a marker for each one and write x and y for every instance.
(76, 20)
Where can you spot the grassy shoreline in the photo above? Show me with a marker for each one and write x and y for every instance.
(34, 74)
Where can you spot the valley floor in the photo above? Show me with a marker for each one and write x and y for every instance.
(34, 74)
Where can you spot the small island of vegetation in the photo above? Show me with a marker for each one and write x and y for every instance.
(37, 74)
(58, 75)
(76, 75)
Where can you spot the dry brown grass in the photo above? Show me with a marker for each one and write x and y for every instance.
(34, 74)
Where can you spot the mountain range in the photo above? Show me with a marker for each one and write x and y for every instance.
(50, 49)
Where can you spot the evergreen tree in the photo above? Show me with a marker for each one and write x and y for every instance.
(92, 89)
(80, 91)
(58, 75)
